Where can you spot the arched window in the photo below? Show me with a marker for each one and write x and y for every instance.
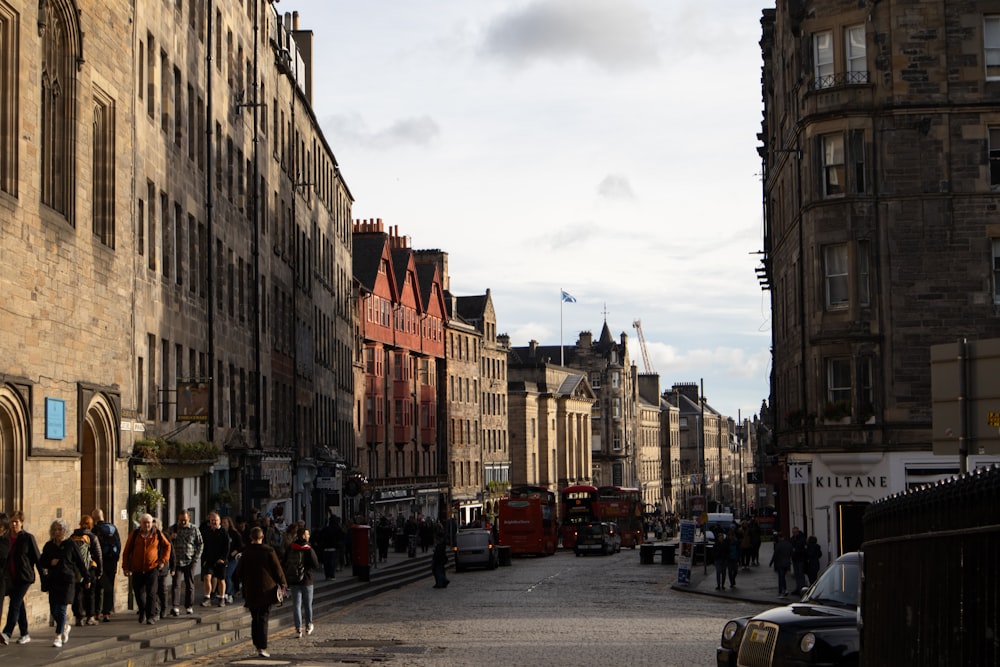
(61, 54)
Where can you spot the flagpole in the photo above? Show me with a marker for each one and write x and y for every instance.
(561, 301)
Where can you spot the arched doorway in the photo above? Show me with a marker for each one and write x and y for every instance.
(97, 455)
(13, 445)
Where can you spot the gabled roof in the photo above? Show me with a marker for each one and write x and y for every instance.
(369, 251)
(606, 342)
(403, 261)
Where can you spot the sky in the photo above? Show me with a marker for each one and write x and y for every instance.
(607, 148)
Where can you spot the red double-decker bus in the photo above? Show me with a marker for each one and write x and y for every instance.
(624, 507)
(527, 522)
(576, 509)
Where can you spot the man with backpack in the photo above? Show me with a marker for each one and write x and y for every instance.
(89, 548)
(111, 549)
(299, 562)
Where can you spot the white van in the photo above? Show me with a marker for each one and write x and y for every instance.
(474, 547)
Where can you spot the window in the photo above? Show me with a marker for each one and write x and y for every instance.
(994, 151)
(833, 165)
(59, 53)
(991, 46)
(857, 156)
(855, 52)
(996, 271)
(835, 276)
(8, 94)
(823, 58)
(864, 273)
(838, 380)
(103, 182)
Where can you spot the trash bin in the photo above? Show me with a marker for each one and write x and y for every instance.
(360, 556)
(503, 555)
(647, 552)
(668, 554)
(330, 563)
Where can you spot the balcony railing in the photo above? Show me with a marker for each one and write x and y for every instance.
(840, 79)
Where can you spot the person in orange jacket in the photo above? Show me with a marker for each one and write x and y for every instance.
(146, 552)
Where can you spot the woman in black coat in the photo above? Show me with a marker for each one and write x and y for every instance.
(23, 563)
(61, 565)
(261, 574)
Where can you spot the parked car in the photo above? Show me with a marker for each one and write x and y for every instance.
(820, 629)
(598, 537)
(474, 547)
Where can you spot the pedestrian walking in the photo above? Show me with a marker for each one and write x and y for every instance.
(781, 559)
(62, 566)
(383, 536)
(186, 547)
(162, 597)
(146, 551)
(235, 548)
(23, 562)
(439, 560)
(263, 579)
(87, 543)
(299, 563)
(214, 560)
(813, 555)
(799, 558)
(111, 550)
(746, 545)
(733, 563)
(720, 559)
(754, 541)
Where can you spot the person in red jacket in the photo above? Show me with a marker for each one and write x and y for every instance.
(146, 552)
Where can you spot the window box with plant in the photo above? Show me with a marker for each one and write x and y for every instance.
(837, 412)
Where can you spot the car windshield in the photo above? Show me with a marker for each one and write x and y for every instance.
(837, 586)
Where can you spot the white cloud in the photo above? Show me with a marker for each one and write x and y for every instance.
(613, 34)
(352, 129)
(615, 186)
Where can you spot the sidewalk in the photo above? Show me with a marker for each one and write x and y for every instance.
(757, 584)
(123, 637)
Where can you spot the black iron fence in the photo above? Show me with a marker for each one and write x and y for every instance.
(931, 588)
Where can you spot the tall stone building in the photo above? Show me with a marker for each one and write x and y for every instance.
(403, 455)
(491, 377)
(549, 425)
(177, 264)
(613, 378)
(881, 153)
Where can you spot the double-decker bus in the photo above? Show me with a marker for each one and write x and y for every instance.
(624, 507)
(576, 509)
(527, 522)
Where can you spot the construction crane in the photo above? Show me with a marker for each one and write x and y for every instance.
(642, 344)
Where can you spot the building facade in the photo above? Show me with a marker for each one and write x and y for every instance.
(879, 145)
(403, 456)
(177, 273)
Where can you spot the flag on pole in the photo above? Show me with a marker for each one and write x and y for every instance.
(567, 297)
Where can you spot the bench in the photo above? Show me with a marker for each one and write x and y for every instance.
(647, 553)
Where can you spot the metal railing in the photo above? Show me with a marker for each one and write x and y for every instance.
(931, 576)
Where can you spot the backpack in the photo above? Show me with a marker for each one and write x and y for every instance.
(109, 543)
(82, 544)
(294, 566)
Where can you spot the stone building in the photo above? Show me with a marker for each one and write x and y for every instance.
(550, 409)
(478, 311)
(177, 275)
(880, 144)
(403, 453)
(701, 462)
(613, 378)
(650, 452)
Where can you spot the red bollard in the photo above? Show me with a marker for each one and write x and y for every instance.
(360, 552)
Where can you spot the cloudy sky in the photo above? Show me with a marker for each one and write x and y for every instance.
(602, 147)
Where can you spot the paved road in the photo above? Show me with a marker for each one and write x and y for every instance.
(559, 610)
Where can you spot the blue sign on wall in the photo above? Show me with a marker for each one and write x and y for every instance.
(55, 419)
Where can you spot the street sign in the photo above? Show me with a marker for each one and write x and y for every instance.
(755, 477)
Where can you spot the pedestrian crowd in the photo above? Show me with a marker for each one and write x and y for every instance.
(167, 567)
(801, 554)
(734, 547)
